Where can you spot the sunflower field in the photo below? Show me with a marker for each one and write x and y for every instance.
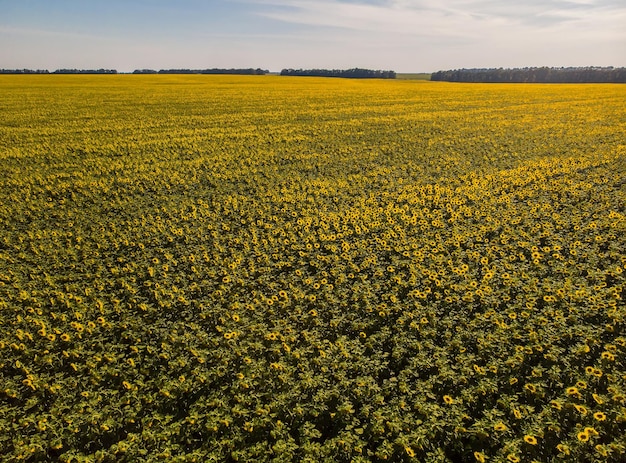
(284, 269)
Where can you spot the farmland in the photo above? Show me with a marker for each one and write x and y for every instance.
(265, 268)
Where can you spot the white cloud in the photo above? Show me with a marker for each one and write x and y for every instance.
(450, 16)
(489, 32)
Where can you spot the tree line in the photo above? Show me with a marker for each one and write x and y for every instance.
(58, 71)
(355, 73)
(535, 74)
(247, 71)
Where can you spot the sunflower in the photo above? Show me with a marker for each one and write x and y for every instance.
(564, 449)
(606, 355)
(556, 405)
(532, 440)
(448, 400)
(581, 409)
(583, 436)
(599, 416)
(500, 427)
(601, 449)
(530, 388)
(480, 457)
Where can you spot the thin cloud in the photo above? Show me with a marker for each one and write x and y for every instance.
(457, 33)
(453, 17)
(393, 18)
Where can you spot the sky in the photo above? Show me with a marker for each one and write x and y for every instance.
(399, 35)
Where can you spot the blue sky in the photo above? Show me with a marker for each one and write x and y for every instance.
(403, 35)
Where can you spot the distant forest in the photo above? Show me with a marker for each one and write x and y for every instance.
(355, 73)
(58, 71)
(535, 74)
(247, 71)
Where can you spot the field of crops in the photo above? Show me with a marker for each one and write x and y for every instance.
(265, 268)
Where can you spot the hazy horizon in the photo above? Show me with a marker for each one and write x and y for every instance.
(407, 36)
